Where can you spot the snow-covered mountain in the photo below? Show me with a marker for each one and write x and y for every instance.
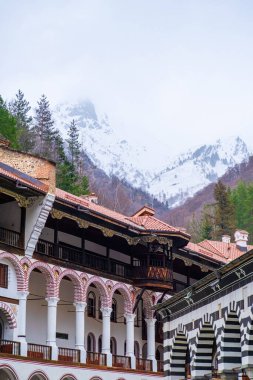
(170, 180)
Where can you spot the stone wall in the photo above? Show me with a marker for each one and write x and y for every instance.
(33, 166)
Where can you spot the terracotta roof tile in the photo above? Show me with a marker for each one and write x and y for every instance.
(223, 252)
(143, 223)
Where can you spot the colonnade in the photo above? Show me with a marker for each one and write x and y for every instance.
(80, 308)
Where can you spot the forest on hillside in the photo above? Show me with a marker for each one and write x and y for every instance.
(232, 209)
(38, 135)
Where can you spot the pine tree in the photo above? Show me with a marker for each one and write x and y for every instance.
(44, 129)
(73, 144)
(20, 108)
(224, 211)
(207, 223)
(8, 128)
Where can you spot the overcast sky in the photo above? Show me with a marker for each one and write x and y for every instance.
(179, 69)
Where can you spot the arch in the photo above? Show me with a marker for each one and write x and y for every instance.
(126, 294)
(20, 274)
(68, 377)
(178, 356)
(11, 319)
(99, 283)
(91, 342)
(247, 344)
(96, 378)
(9, 371)
(38, 375)
(205, 343)
(51, 289)
(91, 305)
(77, 283)
(230, 355)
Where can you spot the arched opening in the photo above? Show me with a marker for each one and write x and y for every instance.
(203, 361)
(178, 358)
(100, 344)
(91, 305)
(1, 327)
(114, 311)
(7, 373)
(91, 343)
(113, 346)
(38, 376)
(136, 349)
(68, 377)
(159, 353)
(36, 328)
(231, 343)
(118, 305)
(144, 351)
(65, 326)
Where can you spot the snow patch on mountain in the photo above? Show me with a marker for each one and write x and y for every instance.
(170, 180)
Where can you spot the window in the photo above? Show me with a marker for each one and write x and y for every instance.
(100, 344)
(100, 315)
(91, 343)
(1, 329)
(91, 306)
(3, 276)
(114, 311)
(113, 346)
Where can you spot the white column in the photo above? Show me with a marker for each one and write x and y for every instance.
(80, 329)
(51, 325)
(22, 322)
(130, 338)
(106, 334)
(151, 341)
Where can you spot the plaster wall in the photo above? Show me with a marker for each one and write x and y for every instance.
(10, 216)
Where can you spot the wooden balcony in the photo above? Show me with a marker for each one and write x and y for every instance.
(68, 355)
(38, 351)
(9, 347)
(144, 364)
(121, 361)
(156, 277)
(84, 258)
(11, 238)
(96, 358)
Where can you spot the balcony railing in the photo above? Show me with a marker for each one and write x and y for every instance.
(144, 364)
(38, 351)
(161, 274)
(121, 361)
(68, 355)
(84, 258)
(11, 238)
(96, 358)
(9, 347)
(159, 366)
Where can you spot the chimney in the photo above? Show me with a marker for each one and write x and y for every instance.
(241, 240)
(225, 239)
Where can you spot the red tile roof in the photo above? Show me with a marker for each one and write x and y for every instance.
(140, 223)
(217, 250)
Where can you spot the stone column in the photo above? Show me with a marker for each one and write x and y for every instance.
(51, 325)
(22, 322)
(80, 329)
(106, 334)
(130, 338)
(151, 341)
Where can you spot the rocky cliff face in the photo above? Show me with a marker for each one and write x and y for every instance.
(170, 180)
